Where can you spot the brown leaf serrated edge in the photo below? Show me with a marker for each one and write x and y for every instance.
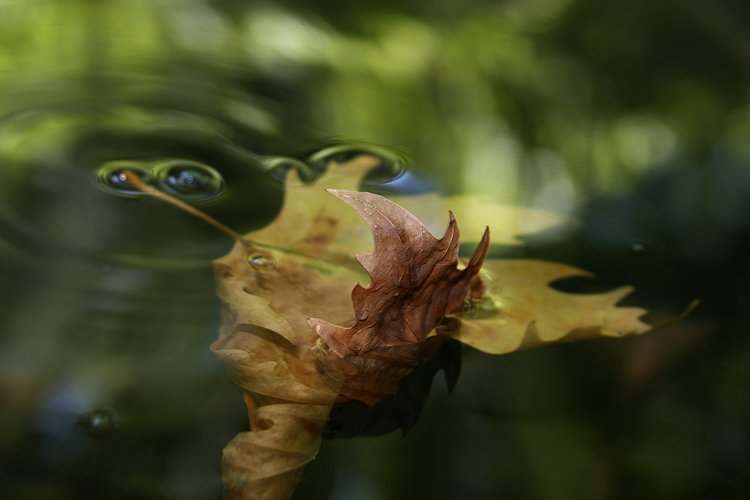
(415, 282)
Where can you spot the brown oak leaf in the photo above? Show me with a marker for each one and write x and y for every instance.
(415, 282)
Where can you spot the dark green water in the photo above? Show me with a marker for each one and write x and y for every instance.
(632, 117)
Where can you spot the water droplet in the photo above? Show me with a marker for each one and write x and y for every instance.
(110, 178)
(485, 307)
(260, 260)
(639, 248)
(188, 179)
(99, 422)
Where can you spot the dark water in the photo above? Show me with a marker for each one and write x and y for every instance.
(632, 118)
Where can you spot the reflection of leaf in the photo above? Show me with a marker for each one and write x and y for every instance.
(414, 283)
(520, 311)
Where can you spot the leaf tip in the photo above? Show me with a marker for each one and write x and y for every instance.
(314, 324)
(339, 193)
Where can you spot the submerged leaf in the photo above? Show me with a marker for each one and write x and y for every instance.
(266, 463)
(415, 283)
(301, 265)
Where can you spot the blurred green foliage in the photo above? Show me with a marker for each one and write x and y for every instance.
(631, 115)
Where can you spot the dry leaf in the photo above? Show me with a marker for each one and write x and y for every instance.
(415, 283)
(302, 267)
(520, 311)
(508, 222)
(266, 463)
(288, 401)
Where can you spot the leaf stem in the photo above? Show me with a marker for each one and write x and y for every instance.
(132, 178)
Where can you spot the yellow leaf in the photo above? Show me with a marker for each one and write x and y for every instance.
(475, 214)
(302, 265)
(520, 310)
(301, 271)
(266, 463)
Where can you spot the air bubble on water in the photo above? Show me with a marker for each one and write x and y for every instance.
(189, 179)
(111, 179)
(99, 422)
(185, 179)
(638, 248)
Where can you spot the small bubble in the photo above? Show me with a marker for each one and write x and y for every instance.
(259, 260)
(485, 307)
(188, 179)
(111, 178)
(99, 422)
(639, 248)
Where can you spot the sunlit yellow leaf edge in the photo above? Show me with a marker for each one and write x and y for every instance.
(524, 312)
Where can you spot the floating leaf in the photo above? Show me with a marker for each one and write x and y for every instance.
(415, 283)
(519, 310)
(508, 222)
(298, 276)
